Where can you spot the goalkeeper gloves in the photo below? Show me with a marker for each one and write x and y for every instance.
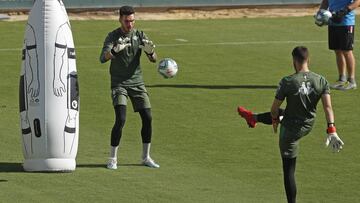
(120, 45)
(333, 139)
(317, 21)
(148, 46)
(338, 16)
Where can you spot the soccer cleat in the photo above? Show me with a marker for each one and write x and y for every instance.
(112, 164)
(348, 86)
(150, 163)
(248, 116)
(338, 84)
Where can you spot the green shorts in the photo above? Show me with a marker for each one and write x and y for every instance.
(289, 141)
(138, 96)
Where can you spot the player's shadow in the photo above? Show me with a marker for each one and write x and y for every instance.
(104, 165)
(215, 87)
(10, 167)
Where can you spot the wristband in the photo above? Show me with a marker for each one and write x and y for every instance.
(331, 130)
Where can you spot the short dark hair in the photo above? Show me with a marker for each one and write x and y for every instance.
(126, 10)
(300, 54)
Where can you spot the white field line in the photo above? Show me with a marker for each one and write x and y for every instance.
(201, 44)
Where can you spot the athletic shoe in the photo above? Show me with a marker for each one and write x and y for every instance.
(248, 116)
(112, 164)
(338, 84)
(150, 163)
(348, 86)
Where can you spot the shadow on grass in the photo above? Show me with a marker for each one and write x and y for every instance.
(215, 87)
(17, 167)
(104, 165)
(10, 167)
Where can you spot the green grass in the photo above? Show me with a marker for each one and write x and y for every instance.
(207, 153)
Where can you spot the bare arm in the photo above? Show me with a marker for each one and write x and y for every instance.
(275, 108)
(106, 56)
(275, 113)
(332, 139)
(354, 5)
(329, 114)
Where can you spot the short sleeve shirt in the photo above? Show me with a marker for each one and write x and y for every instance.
(335, 5)
(302, 92)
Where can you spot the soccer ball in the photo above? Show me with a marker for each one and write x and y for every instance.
(322, 17)
(167, 68)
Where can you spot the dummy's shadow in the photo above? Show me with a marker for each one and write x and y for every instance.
(10, 167)
(17, 167)
(104, 165)
(214, 87)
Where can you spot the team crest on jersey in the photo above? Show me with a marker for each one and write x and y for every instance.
(305, 89)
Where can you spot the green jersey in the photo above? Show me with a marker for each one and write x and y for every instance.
(302, 91)
(125, 67)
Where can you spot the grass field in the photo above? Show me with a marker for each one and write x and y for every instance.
(206, 152)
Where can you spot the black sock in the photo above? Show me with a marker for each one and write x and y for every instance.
(146, 129)
(120, 117)
(289, 165)
(266, 117)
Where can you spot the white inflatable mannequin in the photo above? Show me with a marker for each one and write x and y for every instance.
(64, 59)
(49, 92)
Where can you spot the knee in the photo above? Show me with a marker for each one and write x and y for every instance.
(120, 122)
(147, 120)
(348, 53)
(146, 116)
(120, 115)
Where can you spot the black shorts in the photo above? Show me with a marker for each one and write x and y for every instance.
(341, 37)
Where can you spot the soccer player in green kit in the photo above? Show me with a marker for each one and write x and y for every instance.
(123, 47)
(302, 91)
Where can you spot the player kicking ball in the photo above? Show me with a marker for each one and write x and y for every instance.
(302, 91)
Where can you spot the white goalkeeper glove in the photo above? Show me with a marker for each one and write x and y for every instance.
(120, 45)
(333, 139)
(148, 46)
(318, 22)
